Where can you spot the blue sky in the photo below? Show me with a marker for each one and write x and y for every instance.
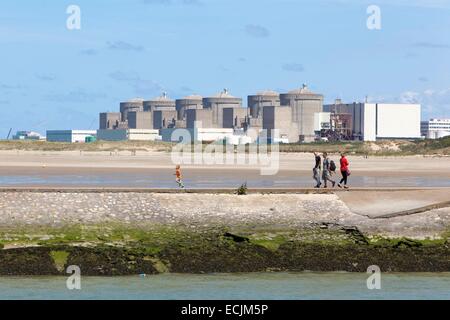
(55, 78)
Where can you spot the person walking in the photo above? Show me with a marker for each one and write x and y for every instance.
(344, 171)
(327, 171)
(316, 170)
(178, 176)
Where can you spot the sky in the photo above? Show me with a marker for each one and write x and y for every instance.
(52, 77)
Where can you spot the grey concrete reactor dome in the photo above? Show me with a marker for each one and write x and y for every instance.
(301, 93)
(162, 102)
(257, 102)
(188, 103)
(192, 97)
(133, 105)
(162, 97)
(217, 103)
(223, 94)
(267, 93)
(304, 104)
(223, 97)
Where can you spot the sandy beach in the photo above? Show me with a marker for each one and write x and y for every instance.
(155, 169)
(153, 159)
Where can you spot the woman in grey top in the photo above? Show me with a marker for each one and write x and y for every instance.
(326, 171)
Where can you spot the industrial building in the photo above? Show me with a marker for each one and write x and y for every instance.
(217, 103)
(137, 113)
(135, 105)
(256, 103)
(162, 102)
(280, 118)
(128, 134)
(164, 119)
(234, 117)
(27, 135)
(199, 118)
(322, 122)
(188, 103)
(435, 128)
(72, 136)
(303, 104)
(139, 120)
(375, 121)
(110, 120)
(298, 115)
(197, 134)
(294, 113)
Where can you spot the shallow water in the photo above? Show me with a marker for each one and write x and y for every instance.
(205, 180)
(284, 286)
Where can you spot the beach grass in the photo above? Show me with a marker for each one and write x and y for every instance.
(379, 148)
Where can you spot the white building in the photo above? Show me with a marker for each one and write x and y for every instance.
(71, 136)
(435, 128)
(197, 134)
(128, 134)
(375, 121)
(322, 121)
(27, 135)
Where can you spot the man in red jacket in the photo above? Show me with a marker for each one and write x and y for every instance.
(344, 171)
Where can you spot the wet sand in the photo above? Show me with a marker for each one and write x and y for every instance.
(156, 169)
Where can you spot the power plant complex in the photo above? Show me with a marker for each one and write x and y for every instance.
(296, 116)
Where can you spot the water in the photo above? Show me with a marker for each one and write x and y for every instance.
(207, 180)
(272, 286)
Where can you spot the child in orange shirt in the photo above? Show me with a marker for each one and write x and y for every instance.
(178, 176)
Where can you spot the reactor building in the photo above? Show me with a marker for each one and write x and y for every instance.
(135, 105)
(303, 104)
(217, 103)
(295, 116)
(257, 102)
(187, 103)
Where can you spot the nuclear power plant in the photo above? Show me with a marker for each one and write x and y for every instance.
(295, 116)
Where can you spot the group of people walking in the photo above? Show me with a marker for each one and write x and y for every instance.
(325, 168)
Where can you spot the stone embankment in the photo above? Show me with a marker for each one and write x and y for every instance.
(109, 233)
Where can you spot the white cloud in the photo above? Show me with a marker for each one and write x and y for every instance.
(409, 97)
(125, 46)
(435, 103)
(257, 31)
(141, 86)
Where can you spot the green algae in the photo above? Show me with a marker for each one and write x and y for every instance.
(118, 249)
(60, 259)
(159, 265)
